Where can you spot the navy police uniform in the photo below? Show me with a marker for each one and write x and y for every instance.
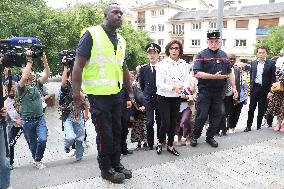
(147, 81)
(211, 91)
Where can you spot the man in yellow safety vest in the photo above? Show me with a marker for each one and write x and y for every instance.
(101, 69)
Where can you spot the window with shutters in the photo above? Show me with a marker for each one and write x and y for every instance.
(268, 23)
(161, 42)
(153, 13)
(240, 43)
(223, 42)
(224, 24)
(178, 29)
(153, 28)
(242, 24)
(161, 27)
(162, 12)
(195, 42)
(196, 26)
(212, 25)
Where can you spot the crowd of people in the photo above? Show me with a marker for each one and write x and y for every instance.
(177, 97)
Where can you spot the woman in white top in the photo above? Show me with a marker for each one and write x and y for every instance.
(171, 75)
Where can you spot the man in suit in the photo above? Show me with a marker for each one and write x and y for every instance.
(147, 81)
(262, 75)
(229, 101)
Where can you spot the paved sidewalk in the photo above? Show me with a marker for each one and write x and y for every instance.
(258, 166)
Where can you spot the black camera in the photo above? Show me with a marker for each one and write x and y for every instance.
(12, 56)
(37, 50)
(13, 52)
(69, 57)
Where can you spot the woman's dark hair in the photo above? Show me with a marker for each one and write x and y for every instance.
(170, 44)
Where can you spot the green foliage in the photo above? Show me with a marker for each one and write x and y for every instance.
(274, 41)
(61, 29)
(135, 45)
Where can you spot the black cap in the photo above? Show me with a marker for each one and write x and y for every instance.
(153, 46)
(213, 34)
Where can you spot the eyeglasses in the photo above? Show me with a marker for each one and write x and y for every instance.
(174, 48)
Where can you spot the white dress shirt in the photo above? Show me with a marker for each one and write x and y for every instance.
(260, 66)
(169, 73)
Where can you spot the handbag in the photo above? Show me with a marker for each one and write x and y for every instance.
(277, 87)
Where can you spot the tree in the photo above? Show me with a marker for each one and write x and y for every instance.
(274, 41)
(61, 29)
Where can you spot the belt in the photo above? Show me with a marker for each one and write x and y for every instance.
(257, 84)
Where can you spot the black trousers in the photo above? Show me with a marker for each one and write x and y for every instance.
(151, 110)
(258, 97)
(169, 110)
(209, 102)
(236, 112)
(106, 112)
(124, 133)
(14, 134)
(227, 113)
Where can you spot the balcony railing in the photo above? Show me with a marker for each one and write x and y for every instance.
(179, 34)
(262, 31)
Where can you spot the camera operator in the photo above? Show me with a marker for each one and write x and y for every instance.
(34, 124)
(73, 129)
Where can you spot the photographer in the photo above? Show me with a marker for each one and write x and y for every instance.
(34, 124)
(73, 129)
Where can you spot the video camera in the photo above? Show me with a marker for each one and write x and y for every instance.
(14, 53)
(70, 57)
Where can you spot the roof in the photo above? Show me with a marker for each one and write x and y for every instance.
(232, 12)
(159, 3)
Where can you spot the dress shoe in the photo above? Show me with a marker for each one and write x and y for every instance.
(173, 151)
(258, 128)
(247, 129)
(120, 169)
(212, 142)
(112, 176)
(127, 152)
(159, 149)
(193, 142)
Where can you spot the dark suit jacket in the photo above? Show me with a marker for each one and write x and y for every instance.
(237, 79)
(268, 75)
(147, 81)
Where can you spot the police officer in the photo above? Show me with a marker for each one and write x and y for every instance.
(211, 68)
(147, 81)
(100, 56)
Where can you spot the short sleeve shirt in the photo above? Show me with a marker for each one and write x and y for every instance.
(31, 102)
(211, 62)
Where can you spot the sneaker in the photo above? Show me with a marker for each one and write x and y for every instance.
(39, 165)
(71, 153)
(231, 131)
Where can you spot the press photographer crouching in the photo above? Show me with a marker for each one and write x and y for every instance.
(34, 124)
(74, 130)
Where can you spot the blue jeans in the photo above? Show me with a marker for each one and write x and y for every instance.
(74, 130)
(36, 132)
(4, 163)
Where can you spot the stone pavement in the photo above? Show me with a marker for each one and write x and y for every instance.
(254, 166)
(243, 160)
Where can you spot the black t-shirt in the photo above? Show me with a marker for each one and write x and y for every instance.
(86, 43)
(66, 99)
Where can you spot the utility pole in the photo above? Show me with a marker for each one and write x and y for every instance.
(220, 17)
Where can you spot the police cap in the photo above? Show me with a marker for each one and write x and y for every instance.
(213, 34)
(153, 46)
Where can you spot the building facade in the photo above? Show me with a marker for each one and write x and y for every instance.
(243, 26)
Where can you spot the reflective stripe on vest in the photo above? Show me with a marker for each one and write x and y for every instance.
(103, 73)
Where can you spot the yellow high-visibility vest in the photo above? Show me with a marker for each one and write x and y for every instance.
(103, 73)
